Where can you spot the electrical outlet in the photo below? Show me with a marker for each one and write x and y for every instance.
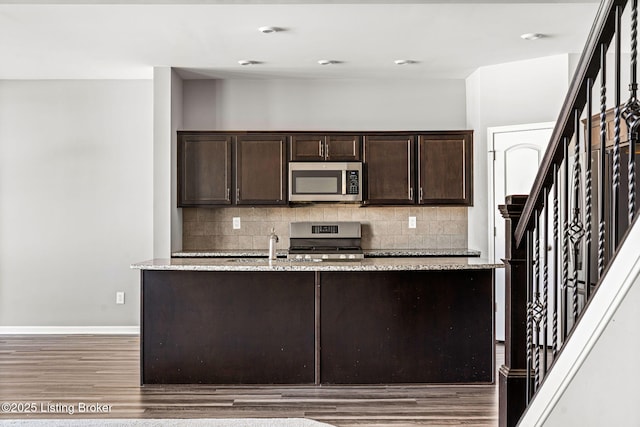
(412, 222)
(120, 297)
(236, 223)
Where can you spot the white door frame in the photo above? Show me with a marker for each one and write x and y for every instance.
(491, 132)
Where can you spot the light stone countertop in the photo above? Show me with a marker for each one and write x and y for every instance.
(220, 253)
(367, 264)
(421, 252)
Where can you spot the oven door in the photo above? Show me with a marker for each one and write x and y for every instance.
(325, 182)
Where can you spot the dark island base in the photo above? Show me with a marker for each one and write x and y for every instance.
(228, 327)
(407, 327)
(322, 328)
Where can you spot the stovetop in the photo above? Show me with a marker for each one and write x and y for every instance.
(325, 240)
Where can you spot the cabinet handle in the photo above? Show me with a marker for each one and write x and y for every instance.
(237, 193)
(320, 149)
(410, 193)
(228, 194)
(420, 194)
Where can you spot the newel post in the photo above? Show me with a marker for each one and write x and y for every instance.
(512, 376)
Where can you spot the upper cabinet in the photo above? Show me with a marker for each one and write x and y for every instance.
(261, 163)
(399, 168)
(322, 147)
(223, 169)
(389, 163)
(204, 169)
(445, 170)
(345, 148)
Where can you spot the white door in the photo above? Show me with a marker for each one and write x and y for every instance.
(518, 151)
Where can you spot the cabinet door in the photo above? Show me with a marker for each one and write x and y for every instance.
(389, 169)
(343, 148)
(204, 169)
(307, 148)
(261, 170)
(446, 173)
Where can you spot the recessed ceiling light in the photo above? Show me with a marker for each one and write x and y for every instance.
(269, 30)
(247, 62)
(328, 62)
(532, 36)
(404, 61)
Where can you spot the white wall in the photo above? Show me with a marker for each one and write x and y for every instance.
(75, 200)
(163, 215)
(520, 92)
(327, 104)
(176, 123)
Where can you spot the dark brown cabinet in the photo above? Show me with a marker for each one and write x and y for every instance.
(227, 327)
(389, 164)
(383, 327)
(260, 168)
(445, 168)
(399, 168)
(204, 169)
(609, 129)
(321, 148)
(225, 169)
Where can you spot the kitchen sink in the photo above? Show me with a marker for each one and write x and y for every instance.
(262, 260)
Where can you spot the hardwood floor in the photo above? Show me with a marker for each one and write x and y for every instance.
(69, 369)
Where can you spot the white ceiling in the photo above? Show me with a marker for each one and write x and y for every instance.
(119, 39)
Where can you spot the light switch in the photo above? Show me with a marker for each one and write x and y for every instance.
(236, 223)
(412, 222)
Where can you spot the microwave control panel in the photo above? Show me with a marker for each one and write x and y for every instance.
(353, 182)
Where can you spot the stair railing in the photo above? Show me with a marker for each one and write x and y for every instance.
(562, 237)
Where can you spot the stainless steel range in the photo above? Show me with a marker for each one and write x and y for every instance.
(339, 240)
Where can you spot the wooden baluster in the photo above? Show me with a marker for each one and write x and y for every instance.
(512, 375)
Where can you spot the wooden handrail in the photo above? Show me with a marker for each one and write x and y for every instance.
(588, 67)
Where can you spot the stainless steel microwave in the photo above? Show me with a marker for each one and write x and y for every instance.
(325, 181)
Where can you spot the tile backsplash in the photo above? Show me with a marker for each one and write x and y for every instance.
(382, 227)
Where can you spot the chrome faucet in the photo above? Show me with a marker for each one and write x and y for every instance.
(273, 239)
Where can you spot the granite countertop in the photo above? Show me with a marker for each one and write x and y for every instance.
(367, 264)
(421, 252)
(219, 253)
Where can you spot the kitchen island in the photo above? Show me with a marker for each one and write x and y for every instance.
(375, 321)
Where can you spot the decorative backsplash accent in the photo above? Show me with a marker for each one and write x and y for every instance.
(382, 227)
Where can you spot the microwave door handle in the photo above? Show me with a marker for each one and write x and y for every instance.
(344, 181)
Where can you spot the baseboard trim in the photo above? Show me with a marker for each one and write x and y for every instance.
(69, 330)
